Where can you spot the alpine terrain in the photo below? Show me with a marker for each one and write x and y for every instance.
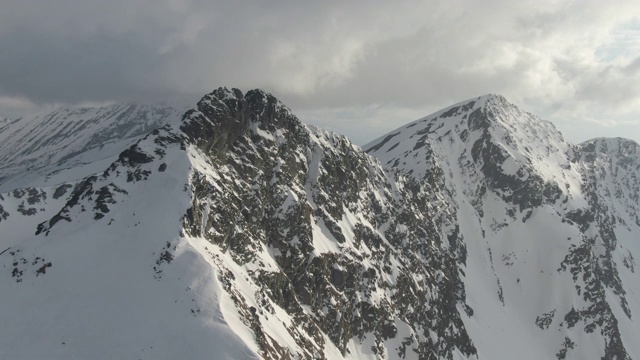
(234, 231)
(36, 149)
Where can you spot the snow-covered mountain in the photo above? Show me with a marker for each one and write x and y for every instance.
(35, 149)
(551, 228)
(236, 231)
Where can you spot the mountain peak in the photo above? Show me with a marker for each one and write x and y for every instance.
(247, 108)
(493, 97)
(481, 112)
(487, 116)
(486, 135)
(224, 115)
(607, 143)
(624, 152)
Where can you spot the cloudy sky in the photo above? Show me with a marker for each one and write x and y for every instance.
(361, 68)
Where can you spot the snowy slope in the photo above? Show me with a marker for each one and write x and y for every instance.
(92, 287)
(238, 232)
(549, 268)
(35, 149)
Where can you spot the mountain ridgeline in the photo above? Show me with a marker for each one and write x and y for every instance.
(554, 224)
(237, 231)
(351, 249)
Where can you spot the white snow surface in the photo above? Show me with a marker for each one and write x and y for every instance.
(96, 300)
(36, 148)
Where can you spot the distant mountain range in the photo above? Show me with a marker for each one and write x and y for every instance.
(234, 231)
(43, 144)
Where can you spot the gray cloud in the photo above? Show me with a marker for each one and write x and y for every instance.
(344, 64)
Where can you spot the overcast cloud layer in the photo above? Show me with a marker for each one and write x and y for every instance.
(358, 67)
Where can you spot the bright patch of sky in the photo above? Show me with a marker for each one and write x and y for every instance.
(624, 44)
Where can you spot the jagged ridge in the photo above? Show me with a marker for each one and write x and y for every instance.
(330, 218)
(514, 175)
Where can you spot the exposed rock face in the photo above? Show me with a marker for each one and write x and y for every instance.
(358, 252)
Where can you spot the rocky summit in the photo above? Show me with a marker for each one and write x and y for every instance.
(235, 231)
